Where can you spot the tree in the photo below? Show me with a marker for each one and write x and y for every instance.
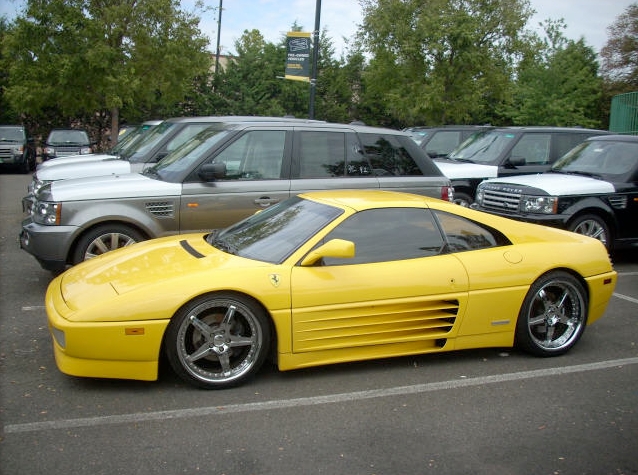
(557, 83)
(620, 53)
(100, 57)
(440, 61)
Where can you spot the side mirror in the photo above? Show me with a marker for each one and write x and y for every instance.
(517, 161)
(336, 248)
(212, 171)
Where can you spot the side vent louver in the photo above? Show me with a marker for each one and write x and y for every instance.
(161, 209)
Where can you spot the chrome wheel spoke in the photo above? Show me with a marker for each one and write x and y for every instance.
(202, 352)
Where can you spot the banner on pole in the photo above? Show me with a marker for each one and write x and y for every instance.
(298, 56)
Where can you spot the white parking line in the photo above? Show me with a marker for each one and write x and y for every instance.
(625, 297)
(309, 401)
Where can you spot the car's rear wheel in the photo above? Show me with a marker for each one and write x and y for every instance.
(218, 341)
(103, 239)
(553, 315)
(592, 226)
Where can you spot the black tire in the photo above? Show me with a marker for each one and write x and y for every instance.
(463, 199)
(593, 226)
(553, 315)
(218, 341)
(105, 238)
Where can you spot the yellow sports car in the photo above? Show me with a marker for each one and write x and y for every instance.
(327, 277)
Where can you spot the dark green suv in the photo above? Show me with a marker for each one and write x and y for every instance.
(17, 149)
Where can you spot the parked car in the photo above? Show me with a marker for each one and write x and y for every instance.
(327, 277)
(592, 190)
(17, 148)
(66, 142)
(225, 173)
(159, 141)
(513, 151)
(440, 141)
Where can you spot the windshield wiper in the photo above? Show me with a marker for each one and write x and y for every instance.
(598, 176)
(225, 246)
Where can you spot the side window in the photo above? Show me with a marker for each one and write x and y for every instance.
(442, 143)
(465, 235)
(564, 142)
(533, 148)
(321, 154)
(256, 155)
(388, 156)
(388, 234)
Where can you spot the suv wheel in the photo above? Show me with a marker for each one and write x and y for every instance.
(593, 226)
(103, 239)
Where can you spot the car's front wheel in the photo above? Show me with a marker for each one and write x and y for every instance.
(103, 239)
(553, 315)
(592, 226)
(218, 341)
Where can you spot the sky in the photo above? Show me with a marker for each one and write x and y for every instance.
(273, 18)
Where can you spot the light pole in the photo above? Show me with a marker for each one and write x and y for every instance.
(219, 31)
(315, 57)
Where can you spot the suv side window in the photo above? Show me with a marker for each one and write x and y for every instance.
(321, 154)
(188, 132)
(388, 156)
(374, 233)
(533, 148)
(256, 155)
(443, 142)
(564, 142)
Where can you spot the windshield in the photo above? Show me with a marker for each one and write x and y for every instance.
(180, 161)
(600, 158)
(138, 151)
(484, 147)
(11, 134)
(68, 137)
(275, 233)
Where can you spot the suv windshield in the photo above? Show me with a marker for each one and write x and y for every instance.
(11, 134)
(600, 158)
(68, 137)
(483, 147)
(137, 153)
(172, 167)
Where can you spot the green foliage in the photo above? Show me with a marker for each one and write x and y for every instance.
(81, 57)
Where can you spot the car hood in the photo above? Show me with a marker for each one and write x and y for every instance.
(559, 184)
(96, 157)
(72, 169)
(128, 185)
(140, 276)
(458, 170)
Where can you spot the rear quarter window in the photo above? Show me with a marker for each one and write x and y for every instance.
(396, 155)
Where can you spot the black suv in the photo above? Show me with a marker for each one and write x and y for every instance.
(515, 151)
(65, 142)
(592, 190)
(17, 149)
(442, 140)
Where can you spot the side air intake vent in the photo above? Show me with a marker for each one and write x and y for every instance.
(161, 209)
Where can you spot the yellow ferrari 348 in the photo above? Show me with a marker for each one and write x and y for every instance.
(327, 277)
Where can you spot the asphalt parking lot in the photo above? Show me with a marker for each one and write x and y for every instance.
(495, 411)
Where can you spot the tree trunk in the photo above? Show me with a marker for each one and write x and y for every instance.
(115, 128)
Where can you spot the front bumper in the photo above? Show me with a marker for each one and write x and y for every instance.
(127, 350)
(50, 245)
(553, 220)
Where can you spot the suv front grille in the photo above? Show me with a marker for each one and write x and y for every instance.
(503, 199)
(161, 209)
(67, 151)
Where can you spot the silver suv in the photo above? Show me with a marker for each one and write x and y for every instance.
(223, 174)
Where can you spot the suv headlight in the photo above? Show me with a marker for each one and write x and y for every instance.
(35, 185)
(85, 150)
(46, 212)
(539, 204)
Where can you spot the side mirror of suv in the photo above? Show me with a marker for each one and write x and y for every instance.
(212, 171)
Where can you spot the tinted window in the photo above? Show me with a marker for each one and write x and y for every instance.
(443, 143)
(321, 154)
(388, 234)
(465, 235)
(389, 156)
(484, 148)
